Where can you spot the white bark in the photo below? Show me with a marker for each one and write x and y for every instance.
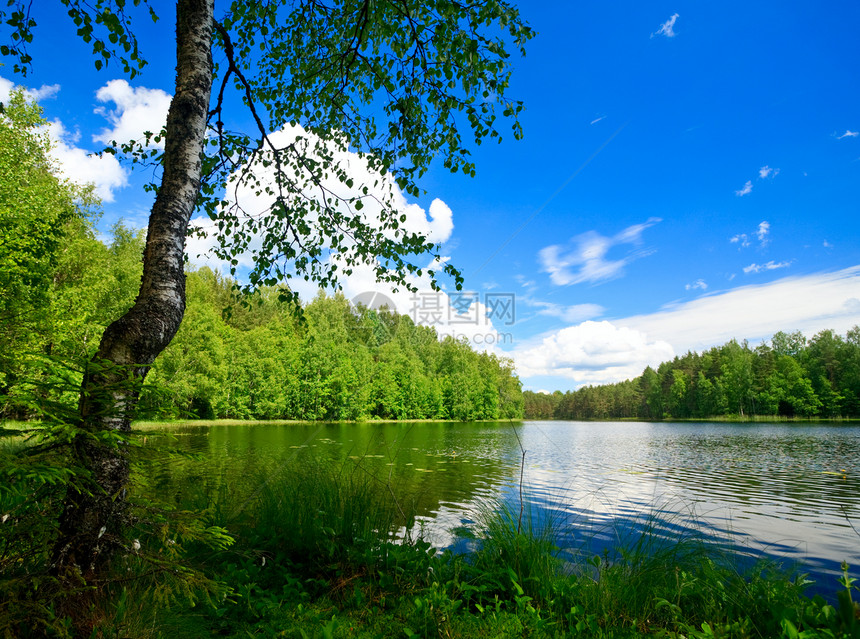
(130, 345)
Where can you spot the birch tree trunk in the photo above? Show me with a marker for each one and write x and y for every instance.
(90, 523)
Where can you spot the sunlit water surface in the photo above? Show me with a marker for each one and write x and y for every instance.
(788, 492)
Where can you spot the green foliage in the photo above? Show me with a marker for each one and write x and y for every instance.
(334, 514)
(35, 208)
(341, 363)
(401, 84)
(107, 16)
(39, 468)
(338, 572)
(794, 377)
(239, 357)
(322, 551)
(59, 285)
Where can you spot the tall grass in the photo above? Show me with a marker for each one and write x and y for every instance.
(317, 553)
(315, 514)
(516, 552)
(647, 583)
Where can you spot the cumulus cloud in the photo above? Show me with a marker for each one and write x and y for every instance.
(44, 92)
(770, 266)
(136, 110)
(80, 166)
(256, 200)
(606, 352)
(667, 28)
(762, 232)
(591, 353)
(746, 190)
(6, 87)
(479, 317)
(848, 134)
(585, 259)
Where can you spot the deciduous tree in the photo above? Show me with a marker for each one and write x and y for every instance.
(400, 82)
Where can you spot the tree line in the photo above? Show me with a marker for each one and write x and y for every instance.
(237, 355)
(791, 376)
(241, 356)
(258, 359)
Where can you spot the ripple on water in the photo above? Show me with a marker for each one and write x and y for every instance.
(786, 492)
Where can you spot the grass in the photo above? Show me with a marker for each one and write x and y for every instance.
(318, 555)
(323, 552)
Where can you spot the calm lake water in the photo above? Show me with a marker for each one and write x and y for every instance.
(789, 492)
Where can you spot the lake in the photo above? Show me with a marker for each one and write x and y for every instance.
(787, 492)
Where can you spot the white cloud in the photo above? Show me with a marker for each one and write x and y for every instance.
(585, 258)
(770, 266)
(44, 92)
(529, 285)
(607, 352)
(592, 353)
(78, 165)
(848, 134)
(462, 315)
(73, 162)
(698, 284)
(763, 173)
(667, 28)
(136, 110)
(256, 202)
(807, 303)
(6, 87)
(762, 233)
(570, 314)
(596, 120)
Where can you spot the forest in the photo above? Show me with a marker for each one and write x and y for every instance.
(791, 376)
(251, 358)
(239, 356)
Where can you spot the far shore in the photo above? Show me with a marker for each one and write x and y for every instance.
(11, 425)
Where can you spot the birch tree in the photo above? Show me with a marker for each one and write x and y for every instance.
(396, 84)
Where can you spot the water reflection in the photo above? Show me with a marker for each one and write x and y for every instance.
(786, 492)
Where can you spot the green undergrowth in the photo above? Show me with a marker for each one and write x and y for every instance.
(327, 553)
(322, 553)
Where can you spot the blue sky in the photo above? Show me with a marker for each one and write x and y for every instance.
(690, 173)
